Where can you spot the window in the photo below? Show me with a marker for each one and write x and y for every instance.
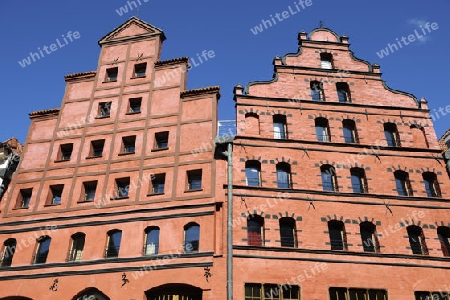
(251, 125)
(111, 74)
(56, 193)
(444, 237)
(97, 148)
(252, 173)
(349, 128)
(283, 176)
(158, 182)
(338, 240)
(279, 127)
(431, 184)
(447, 142)
(89, 188)
(65, 152)
(255, 231)
(317, 93)
(9, 248)
(194, 180)
(322, 130)
(255, 291)
(419, 137)
(42, 250)
(391, 134)
(402, 183)
(122, 187)
(329, 180)
(162, 140)
(287, 232)
(139, 70)
(337, 293)
(151, 240)
(135, 105)
(417, 240)
(191, 237)
(440, 295)
(343, 92)
(24, 198)
(113, 243)
(369, 237)
(326, 60)
(77, 246)
(359, 181)
(104, 109)
(128, 144)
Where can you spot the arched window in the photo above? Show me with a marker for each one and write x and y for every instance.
(349, 129)
(369, 237)
(77, 246)
(191, 237)
(151, 240)
(326, 60)
(317, 93)
(113, 243)
(329, 180)
(402, 183)
(419, 138)
(287, 232)
(359, 181)
(255, 231)
(42, 250)
(251, 123)
(343, 92)
(279, 127)
(284, 176)
(252, 173)
(391, 134)
(90, 293)
(338, 239)
(431, 184)
(444, 237)
(9, 248)
(174, 292)
(417, 240)
(322, 130)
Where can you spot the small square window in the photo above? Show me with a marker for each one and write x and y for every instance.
(97, 148)
(194, 180)
(111, 74)
(104, 109)
(162, 140)
(139, 70)
(65, 152)
(135, 105)
(128, 144)
(56, 194)
(24, 198)
(89, 188)
(158, 182)
(122, 187)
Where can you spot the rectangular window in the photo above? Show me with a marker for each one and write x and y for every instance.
(338, 293)
(111, 74)
(158, 182)
(77, 248)
(279, 127)
(440, 295)
(104, 109)
(56, 193)
(162, 140)
(8, 253)
(337, 235)
(128, 144)
(89, 188)
(65, 152)
(139, 70)
(194, 180)
(135, 105)
(42, 250)
(97, 148)
(24, 198)
(122, 187)
(255, 291)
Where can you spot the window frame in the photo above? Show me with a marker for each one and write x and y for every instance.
(326, 61)
(158, 180)
(139, 73)
(416, 233)
(284, 169)
(255, 222)
(336, 228)
(110, 243)
(132, 103)
(41, 258)
(323, 125)
(65, 152)
(154, 248)
(279, 127)
(349, 128)
(252, 166)
(24, 198)
(128, 145)
(342, 89)
(330, 185)
(121, 188)
(360, 175)
(161, 140)
(78, 241)
(391, 135)
(194, 180)
(89, 188)
(431, 183)
(443, 233)
(317, 91)
(97, 145)
(195, 243)
(368, 231)
(8, 251)
(288, 236)
(104, 110)
(111, 74)
(403, 184)
(55, 194)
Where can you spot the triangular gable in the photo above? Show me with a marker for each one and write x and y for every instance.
(131, 29)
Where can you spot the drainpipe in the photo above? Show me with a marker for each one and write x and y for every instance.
(229, 154)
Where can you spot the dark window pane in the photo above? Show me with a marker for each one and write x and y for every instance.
(114, 244)
(152, 242)
(287, 229)
(191, 238)
(254, 232)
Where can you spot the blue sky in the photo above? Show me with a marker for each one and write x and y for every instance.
(223, 27)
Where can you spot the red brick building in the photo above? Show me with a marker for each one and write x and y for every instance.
(340, 190)
(110, 200)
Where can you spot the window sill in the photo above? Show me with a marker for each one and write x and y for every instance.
(137, 77)
(47, 205)
(160, 149)
(61, 160)
(133, 113)
(126, 153)
(102, 117)
(192, 191)
(120, 198)
(92, 157)
(20, 208)
(85, 201)
(154, 194)
(109, 81)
